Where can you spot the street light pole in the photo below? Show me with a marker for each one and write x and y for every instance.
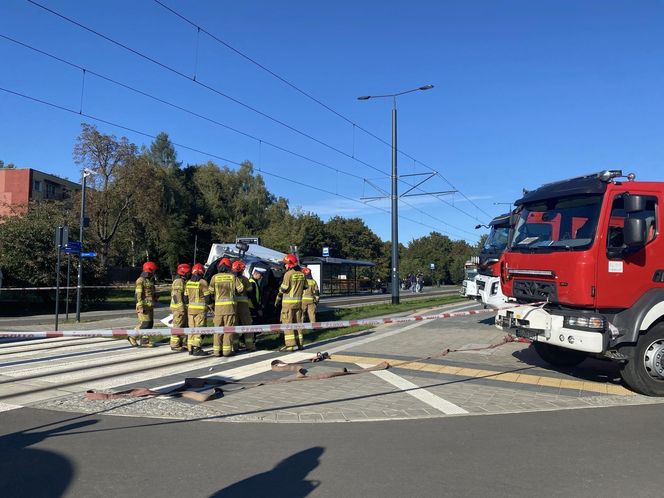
(394, 195)
(396, 283)
(79, 286)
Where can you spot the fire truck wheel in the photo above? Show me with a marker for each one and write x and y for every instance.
(644, 373)
(559, 357)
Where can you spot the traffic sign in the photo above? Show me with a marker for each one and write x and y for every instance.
(72, 247)
(326, 252)
(88, 254)
(433, 266)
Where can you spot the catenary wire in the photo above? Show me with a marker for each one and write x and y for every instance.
(211, 120)
(239, 102)
(200, 29)
(199, 151)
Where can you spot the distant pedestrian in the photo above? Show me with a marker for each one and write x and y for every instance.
(413, 283)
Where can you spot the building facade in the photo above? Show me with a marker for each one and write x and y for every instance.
(22, 185)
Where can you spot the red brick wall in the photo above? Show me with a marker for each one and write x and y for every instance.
(14, 188)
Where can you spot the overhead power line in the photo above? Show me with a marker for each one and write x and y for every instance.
(199, 151)
(259, 140)
(235, 100)
(201, 29)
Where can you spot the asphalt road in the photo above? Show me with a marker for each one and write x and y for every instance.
(586, 453)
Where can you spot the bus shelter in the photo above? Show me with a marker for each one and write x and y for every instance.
(336, 276)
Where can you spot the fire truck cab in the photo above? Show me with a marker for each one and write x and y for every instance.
(586, 264)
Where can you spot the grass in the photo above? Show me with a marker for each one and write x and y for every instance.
(274, 341)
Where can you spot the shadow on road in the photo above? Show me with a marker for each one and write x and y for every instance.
(288, 478)
(35, 472)
(591, 369)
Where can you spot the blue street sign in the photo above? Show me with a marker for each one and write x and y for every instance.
(326, 252)
(73, 246)
(88, 254)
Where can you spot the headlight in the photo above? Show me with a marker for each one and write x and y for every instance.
(584, 322)
(494, 288)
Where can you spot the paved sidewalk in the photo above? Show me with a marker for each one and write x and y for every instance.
(507, 379)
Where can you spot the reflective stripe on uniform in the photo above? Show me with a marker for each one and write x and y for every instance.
(224, 302)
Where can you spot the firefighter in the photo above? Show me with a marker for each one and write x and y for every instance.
(146, 297)
(179, 306)
(243, 305)
(310, 297)
(255, 294)
(290, 297)
(198, 298)
(224, 287)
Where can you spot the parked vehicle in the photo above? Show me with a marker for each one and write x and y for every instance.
(468, 286)
(488, 279)
(586, 262)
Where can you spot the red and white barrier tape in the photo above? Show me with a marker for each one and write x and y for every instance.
(238, 329)
(128, 286)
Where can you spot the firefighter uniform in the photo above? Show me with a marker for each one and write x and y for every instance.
(179, 311)
(224, 287)
(244, 313)
(255, 299)
(310, 300)
(146, 297)
(290, 294)
(197, 294)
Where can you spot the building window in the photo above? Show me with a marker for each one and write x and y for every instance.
(50, 190)
(36, 186)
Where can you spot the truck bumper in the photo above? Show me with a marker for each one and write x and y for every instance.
(537, 324)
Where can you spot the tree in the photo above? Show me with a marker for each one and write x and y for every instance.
(162, 152)
(114, 185)
(27, 252)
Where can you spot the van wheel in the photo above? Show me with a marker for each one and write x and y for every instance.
(644, 372)
(559, 357)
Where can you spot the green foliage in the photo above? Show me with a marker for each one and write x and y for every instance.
(146, 206)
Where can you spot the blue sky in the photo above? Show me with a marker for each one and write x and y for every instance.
(525, 93)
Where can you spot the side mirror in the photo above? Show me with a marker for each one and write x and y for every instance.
(635, 232)
(634, 203)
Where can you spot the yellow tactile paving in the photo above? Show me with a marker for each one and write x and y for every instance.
(581, 385)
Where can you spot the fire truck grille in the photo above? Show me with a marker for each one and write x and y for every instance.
(533, 290)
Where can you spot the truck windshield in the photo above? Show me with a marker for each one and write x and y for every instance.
(471, 273)
(497, 240)
(565, 223)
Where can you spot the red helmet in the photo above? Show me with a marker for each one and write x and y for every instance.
(149, 267)
(183, 269)
(225, 262)
(198, 269)
(238, 266)
(290, 260)
(306, 270)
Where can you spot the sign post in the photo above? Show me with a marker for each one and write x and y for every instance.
(433, 267)
(61, 239)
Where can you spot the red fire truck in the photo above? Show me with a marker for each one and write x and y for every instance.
(586, 264)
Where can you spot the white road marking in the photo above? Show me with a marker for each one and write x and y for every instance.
(5, 407)
(417, 392)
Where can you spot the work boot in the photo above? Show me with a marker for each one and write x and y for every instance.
(132, 340)
(196, 351)
(146, 343)
(177, 349)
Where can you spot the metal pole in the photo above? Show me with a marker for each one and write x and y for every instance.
(57, 287)
(195, 247)
(68, 274)
(395, 207)
(80, 260)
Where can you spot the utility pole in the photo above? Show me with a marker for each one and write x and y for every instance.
(86, 172)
